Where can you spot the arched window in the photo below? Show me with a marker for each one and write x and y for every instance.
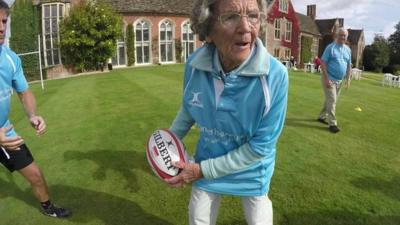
(143, 42)
(188, 43)
(166, 42)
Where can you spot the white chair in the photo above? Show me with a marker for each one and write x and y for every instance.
(396, 82)
(388, 79)
(356, 74)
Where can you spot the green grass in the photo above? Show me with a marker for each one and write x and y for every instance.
(93, 154)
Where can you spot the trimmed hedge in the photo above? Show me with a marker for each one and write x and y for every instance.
(24, 31)
(130, 44)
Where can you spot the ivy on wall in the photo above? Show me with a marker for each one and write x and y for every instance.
(306, 43)
(130, 45)
(24, 31)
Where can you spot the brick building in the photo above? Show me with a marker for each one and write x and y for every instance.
(283, 30)
(159, 26)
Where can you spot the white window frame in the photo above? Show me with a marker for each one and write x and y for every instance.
(172, 41)
(120, 42)
(288, 53)
(184, 42)
(277, 29)
(46, 48)
(143, 43)
(288, 31)
(284, 6)
(277, 52)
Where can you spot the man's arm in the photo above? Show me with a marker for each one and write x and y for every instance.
(29, 103)
(326, 80)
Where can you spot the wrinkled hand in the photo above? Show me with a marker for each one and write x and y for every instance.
(189, 173)
(38, 123)
(10, 143)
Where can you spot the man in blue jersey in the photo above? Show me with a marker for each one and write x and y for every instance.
(236, 94)
(14, 154)
(336, 65)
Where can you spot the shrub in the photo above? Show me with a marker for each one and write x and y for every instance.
(306, 43)
(89, 35)
(393, 69)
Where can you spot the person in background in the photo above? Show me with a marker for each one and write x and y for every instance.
(336, 65)
(317, 63)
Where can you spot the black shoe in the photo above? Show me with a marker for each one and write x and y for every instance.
(54, 211)
(322, 121)
(334, 129)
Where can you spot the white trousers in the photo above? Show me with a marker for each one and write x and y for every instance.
(203, 208)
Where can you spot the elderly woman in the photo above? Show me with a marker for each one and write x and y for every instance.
(236, 93)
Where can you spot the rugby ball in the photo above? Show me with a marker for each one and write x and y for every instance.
(163, 148)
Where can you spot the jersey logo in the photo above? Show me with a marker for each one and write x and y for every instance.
(196, 100)
(5, 94)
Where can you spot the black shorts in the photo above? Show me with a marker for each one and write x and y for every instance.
(18, 160)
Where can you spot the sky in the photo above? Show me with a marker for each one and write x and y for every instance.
(374, 16)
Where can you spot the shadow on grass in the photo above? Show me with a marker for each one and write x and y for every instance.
(337, 218)
(87, 205)
(390, 188)
(307, 123)
(122, 162)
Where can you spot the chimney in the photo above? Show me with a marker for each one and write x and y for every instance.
(312, 11)
(341, 22)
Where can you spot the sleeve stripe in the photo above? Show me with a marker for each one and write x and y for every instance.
(11, 62)
(266, 94)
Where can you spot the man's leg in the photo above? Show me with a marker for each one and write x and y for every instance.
(203, 207)
(35, 177)
(258, 210)
(323, 114)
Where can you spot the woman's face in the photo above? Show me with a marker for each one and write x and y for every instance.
(234, 35)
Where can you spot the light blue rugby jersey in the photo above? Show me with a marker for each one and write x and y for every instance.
(337, 58)
(247, 108)
(11, 78)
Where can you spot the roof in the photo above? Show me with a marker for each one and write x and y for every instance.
(307, 24)
(325, 26)
(176, 7)
(354, 35)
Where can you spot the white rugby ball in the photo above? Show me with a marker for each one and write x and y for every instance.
(163, 148)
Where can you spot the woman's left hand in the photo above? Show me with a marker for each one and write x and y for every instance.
(189, 173)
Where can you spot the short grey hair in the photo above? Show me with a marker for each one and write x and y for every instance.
(342, 29)
(204, 11)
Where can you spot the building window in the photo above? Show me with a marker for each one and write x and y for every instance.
(283, 5)
(119, 59)
(314, 47)
(288, 32)
(188, 43)
(277, 29)
(288, 53)
(166, 42)
(276, 53)
(52, 14)
(142, 43)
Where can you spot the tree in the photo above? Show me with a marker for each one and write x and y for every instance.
(89, 35)
(130, 45)
(376, 56)
(394, 43)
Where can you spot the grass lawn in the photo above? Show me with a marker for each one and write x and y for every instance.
(93, 154)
